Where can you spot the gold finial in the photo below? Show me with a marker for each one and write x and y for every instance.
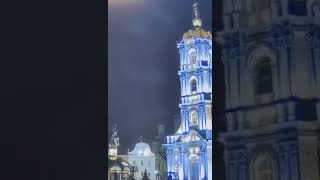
(196, 20)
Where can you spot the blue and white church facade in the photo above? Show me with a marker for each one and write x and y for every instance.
(189, 150)
(271, 54)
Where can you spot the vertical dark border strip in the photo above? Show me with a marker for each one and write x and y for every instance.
(107, 95)
(218, 95)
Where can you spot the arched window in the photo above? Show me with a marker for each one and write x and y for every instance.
(263, 77)
(192, 56)
(193, 118)
(193, 86)
(263, 168)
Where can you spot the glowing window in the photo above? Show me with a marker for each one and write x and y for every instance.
(193, 118)
(194, 86)
(192, 56)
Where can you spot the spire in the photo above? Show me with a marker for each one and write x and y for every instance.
(114, 144)
(114, 128)
(115, 137)
(196, 20)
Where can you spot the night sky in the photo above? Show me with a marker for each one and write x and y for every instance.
(143, 61)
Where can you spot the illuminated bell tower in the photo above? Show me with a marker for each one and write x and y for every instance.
(196, 76)
(189, 150)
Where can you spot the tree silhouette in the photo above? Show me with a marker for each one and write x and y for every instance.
(131, 175)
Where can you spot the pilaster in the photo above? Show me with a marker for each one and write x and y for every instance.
(204, 164)
(181, 163)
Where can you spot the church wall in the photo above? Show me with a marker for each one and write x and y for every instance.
(143, 163)
(301, 66)
(287, 32)
(309, 152)
(241, 154)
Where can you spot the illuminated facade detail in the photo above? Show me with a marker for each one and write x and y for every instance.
(113, 146)
(145, 160)
(193, 118)
(189, 150)
(113, 153)
(194, 86)
(271, 55)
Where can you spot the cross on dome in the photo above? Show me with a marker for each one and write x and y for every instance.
(196, 21)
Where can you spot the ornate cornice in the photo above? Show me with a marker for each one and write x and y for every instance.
(197, 33)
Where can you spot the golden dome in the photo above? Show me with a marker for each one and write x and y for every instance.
(197, 33)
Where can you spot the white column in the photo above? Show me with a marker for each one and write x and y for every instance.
(185, 84)
(181, 162)
(202, 81)
(202, 117)
(185, 165)
(186, 119)
(169, 161)
(182, 119)
(202, 164)
(182, 81)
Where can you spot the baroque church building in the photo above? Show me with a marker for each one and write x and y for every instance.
(189, 150)
(118, 167)
(144, 160)
(271, 55)
(133, 165)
